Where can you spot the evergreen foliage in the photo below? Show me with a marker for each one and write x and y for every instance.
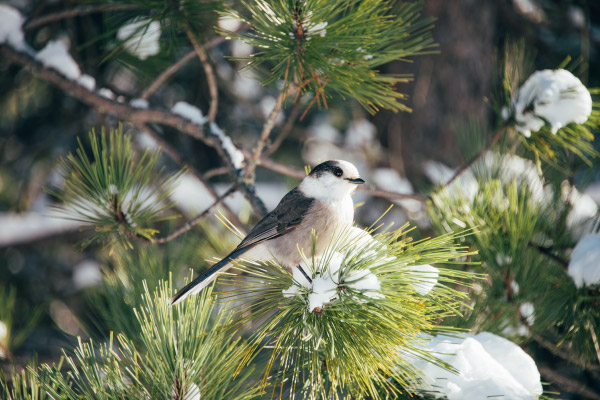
(362, 337)
(260, 332)
(116, 193)
(524, 229)
(184, 352)
(335, 47)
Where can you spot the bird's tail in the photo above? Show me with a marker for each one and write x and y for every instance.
(206, 278)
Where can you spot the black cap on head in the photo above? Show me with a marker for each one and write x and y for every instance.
(327, 166)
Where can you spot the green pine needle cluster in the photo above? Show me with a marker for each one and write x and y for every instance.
(116, 192)
(524, 242)
(185, 353)
(355, 345)
(334, 47)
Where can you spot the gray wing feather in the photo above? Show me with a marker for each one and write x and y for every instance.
(287, 216)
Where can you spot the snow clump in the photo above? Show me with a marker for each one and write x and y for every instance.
(139, 103)
(56, 55)
(87, 82)
(11, 21)
(584, 266)
(235, 155)
(141, 37)
(360, 133)
(488, 366)
(186, 110)
(325, 284)
(553, 96)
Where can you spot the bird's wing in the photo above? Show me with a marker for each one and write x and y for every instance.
(288, 214)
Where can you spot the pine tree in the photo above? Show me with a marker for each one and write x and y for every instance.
(513, 251)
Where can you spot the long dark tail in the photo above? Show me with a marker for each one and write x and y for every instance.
(207, 277)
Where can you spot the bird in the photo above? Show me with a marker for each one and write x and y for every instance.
(321, 202)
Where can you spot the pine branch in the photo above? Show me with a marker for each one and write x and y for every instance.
(140, 116)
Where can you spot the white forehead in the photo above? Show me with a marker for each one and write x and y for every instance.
(348, 168)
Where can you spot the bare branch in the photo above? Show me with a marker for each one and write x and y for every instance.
(264, 136)
(211, 173)
(104, 105)
(166, 74)
(548, 252)
(392, 195)
(249, 191)
(167, 148)
(565, 355)
(174, 68)
(267, 127)
(205, 133)
(75, 12)
(211, 79)
(568, 384)
(189, 225)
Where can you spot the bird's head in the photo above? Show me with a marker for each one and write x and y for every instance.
(331, 180)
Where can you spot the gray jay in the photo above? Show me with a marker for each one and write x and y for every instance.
(322, 201)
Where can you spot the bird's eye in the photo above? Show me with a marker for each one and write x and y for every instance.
(338, 172)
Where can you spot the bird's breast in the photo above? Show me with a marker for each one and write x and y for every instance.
(326, 219)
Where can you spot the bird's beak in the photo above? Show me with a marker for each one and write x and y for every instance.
(356, 181)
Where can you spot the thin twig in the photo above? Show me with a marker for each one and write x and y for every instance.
(565, 355)
(267, 128)
(463, 168)
(175, 156)
(75, 12)
(211, 173)
(548, 252)
(211, 79)
(285, 131)
(249, 192)
(264, 135)
(174, 68)
(392, 195)
(166, 74)
(568, 384)
(189, 225)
